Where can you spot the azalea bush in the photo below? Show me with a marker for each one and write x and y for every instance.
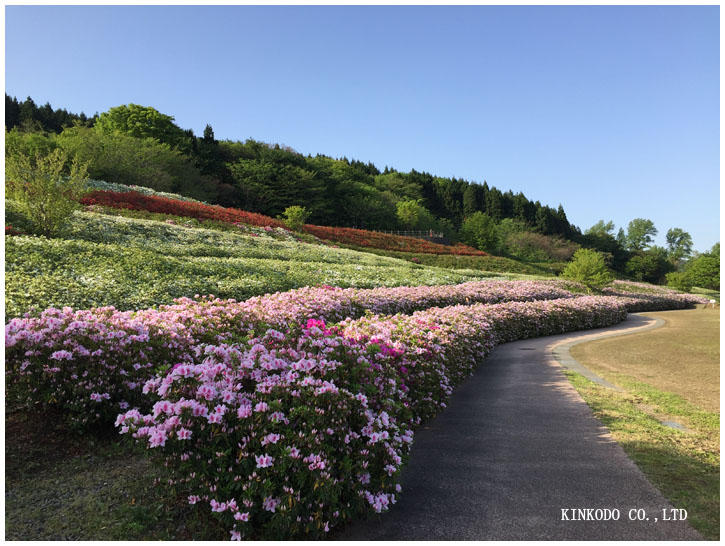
(279, 437)
(88, 363)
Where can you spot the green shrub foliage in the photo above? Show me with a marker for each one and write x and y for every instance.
(295, 217)
(588, 268)
(41, 191)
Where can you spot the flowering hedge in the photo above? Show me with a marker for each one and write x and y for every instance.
(386, 241)
(93, 363)
(134, 200)
(288, 436)
(654, 300)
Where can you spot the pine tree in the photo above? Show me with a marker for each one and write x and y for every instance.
(209, 134)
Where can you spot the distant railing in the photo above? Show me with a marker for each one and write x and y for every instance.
(428, 234)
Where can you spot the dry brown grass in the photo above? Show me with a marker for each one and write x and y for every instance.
(683, 357)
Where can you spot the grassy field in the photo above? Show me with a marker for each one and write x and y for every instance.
(60, 486)
(669, 374)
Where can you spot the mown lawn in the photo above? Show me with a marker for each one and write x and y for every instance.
(669, 374)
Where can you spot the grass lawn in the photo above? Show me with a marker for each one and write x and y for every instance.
(59, 486)
(669, 374)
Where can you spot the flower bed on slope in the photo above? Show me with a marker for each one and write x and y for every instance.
(289, 436)
(93, 363)
(123, 188)
(42, 273)
(159, 203)
(134, 200)
(387, 241)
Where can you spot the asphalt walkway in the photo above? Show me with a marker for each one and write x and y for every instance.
(514, 453)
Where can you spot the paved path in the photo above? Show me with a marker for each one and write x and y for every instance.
(515, 446)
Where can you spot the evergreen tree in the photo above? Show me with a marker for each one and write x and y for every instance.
(28, 113)
(12, 112)
(470, 200)
(493, 204)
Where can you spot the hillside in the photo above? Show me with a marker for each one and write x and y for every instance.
(130, 263)
(136, 145)
(267, 178)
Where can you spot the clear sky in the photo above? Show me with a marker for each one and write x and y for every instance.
(611, 111)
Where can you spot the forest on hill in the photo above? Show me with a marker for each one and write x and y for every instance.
(138, 145)
(267, 178)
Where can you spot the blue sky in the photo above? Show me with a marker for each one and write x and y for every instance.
(611, 111)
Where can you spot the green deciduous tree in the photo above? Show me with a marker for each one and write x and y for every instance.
(480, 230)
(601, 228)
(408, 213)
(588, 268)
(679, 245)
(650, 266)
(678, 281)
(639, 234)
(115, 157)
(704, 272)
(141, 122)
(41, 191)
(30, 144)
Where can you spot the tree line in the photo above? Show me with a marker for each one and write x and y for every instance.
(267, 178)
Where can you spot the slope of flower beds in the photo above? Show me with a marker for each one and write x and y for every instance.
(386, 241)
(123, 188)
(131, 274)
(93, 363)
(288, 436)
(155, 202)
(136, 201)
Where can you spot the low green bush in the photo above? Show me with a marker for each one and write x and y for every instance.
(588, 268)
(42, 191)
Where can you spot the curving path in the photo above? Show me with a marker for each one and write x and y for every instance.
(516, 445)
